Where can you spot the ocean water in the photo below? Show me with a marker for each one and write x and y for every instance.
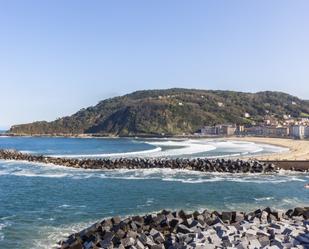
(41, 204)
(122, 147)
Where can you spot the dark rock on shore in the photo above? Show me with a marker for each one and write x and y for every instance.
(171, 230)
(197, 164)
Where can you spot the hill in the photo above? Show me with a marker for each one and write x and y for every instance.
(172, 111)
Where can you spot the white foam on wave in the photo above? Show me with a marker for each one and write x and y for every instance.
(122, 154)
(268, 198)
(231, 179)
(177, 175)
(190, 180)
(3, 225)
(64, 206)
(231, 148)
(50, 235)
(27, 151)
(29, 173)
(186, 176)
(187, 147)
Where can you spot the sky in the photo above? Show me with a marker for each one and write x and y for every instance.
(57, 57)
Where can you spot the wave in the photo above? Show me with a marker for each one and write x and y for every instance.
(183, 176)
(183, 148)
(3, 225)
(214, 179)
(38, 174)
(188, 147)
(50, 235)
(224, 179)
(177, 175)
(268, 198)
(64, 206)
(122, 154)
(28, 151)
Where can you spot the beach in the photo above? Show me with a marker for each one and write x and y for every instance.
(298, 149)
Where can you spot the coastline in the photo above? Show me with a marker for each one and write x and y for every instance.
(298, 149)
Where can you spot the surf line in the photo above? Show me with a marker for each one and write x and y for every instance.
(132, 153)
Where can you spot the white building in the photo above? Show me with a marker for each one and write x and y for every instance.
(209, 130)
(307, 132)
(298, 131)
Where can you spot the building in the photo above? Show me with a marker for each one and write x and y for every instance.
(273, 131)
(282, 131)
(221, 129)
(298, 131)
(209, 130)
(240, 129)
(307, 132)
(254, 131)
(226, 129)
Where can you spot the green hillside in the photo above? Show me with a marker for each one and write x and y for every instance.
(172, 111)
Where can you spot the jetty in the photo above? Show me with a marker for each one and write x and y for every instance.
(196, 164)
(262, 228)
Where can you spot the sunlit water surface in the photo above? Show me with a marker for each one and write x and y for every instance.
(40, 204)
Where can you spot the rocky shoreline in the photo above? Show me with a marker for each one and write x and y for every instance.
(174, 230)
(199, 164)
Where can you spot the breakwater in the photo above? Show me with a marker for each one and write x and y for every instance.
(294, 165)
(259, 229)
(199, 164)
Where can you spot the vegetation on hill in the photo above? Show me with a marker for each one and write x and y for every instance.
(172, 111)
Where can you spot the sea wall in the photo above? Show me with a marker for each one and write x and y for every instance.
(174, 230)
(295, 165)
(204, 165)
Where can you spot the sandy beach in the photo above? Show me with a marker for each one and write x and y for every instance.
(298, 149)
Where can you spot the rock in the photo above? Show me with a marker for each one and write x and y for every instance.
(254, 243)
(174, 222)
(303, 239)
(306, 214)
(239, 216)
(158, 238)
(183, 229)
(258, 229)
(298, 211)
(264, 240)
(76, 245)
(127, 242)
(157, 246)
(145, 240)
(200, 164)
(139, 245)
(227, 217)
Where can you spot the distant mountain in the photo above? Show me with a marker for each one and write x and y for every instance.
(172, 111)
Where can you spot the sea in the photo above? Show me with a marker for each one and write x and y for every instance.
(41, 204)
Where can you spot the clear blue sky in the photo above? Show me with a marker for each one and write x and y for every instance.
(59, 56)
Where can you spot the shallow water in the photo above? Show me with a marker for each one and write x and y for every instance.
(122, 147)
(40, 204)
